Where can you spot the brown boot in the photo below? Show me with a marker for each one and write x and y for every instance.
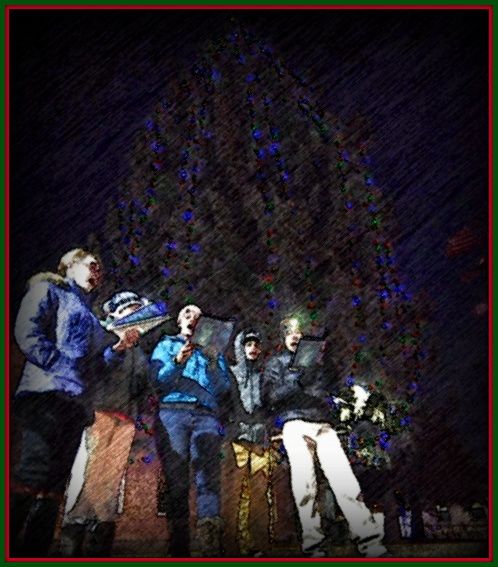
(209, 534)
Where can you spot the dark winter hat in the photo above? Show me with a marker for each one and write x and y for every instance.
(252, 335)
(123, 299)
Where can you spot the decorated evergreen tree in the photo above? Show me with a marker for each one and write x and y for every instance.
(250, 201)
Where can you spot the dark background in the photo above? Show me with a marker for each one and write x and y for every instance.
(82, 83)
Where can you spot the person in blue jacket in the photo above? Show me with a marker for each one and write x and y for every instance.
(65, 349)
(192, 387)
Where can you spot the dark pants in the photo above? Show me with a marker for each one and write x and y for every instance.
(184, 438)
(51, 425)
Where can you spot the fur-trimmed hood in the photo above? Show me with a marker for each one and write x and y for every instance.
(49, 277)
(60, 336)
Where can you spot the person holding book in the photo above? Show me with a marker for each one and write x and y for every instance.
(98, 471)
(297, 398)
(193, 384)
(64, 346)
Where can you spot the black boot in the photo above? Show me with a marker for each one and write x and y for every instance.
(40, 527)
(20, 505)
(179, 546)
(71, 542)
(100, 540)
(179, 537)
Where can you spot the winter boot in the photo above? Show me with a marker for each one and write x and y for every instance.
(40, 527)
(71, 540)
(372, 547)
(20, 505)
(209, 534)
(179, 545)
(100, 539)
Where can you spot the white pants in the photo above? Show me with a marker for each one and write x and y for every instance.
(77, 478)
(303, 440)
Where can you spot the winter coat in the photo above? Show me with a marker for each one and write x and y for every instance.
(297, 394)
(246, 411)
(198, 381)
(61, 338)
(125, 388)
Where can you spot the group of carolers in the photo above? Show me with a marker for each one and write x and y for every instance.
(80, 393)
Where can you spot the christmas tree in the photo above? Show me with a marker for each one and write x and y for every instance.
(250, 201)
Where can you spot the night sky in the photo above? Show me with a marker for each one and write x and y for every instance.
(83, 82)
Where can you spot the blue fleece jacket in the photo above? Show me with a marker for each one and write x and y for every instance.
(196, 381)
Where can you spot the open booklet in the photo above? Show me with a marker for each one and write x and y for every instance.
(309, 352)
(213, 333)
(144, 319)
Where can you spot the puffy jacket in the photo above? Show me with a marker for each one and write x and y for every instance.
(297, 394)
(61, 338)
(125, 388)
(198, 381)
